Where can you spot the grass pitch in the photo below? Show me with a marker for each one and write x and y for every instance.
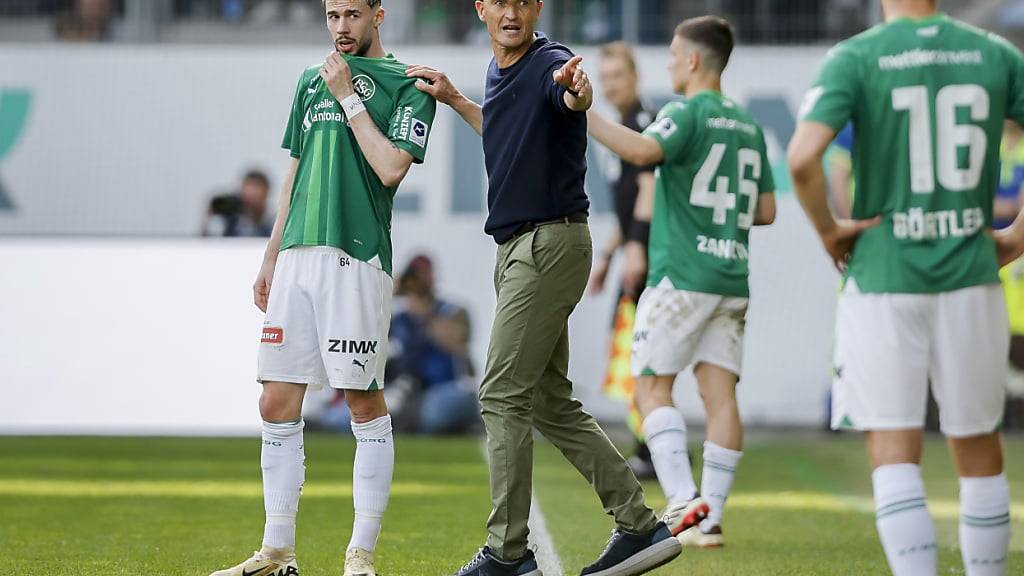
(128, 506)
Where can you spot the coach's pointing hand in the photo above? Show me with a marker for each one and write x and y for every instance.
(579, 92)
(337, 76)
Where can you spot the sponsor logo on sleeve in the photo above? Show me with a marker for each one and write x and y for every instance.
(419, 133)
(665, 128)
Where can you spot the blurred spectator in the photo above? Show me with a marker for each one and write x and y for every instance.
(244, 213)
(88, 21)
(430, 388)
(633, 199)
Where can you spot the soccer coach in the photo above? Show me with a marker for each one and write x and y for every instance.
(534, 130)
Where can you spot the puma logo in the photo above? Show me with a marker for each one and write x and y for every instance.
(360, 364)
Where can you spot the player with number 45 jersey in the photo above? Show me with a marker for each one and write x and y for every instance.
(921, 302)
(713, 183)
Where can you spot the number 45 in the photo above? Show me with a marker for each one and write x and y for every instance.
(719, 199)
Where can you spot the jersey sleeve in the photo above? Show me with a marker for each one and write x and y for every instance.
(293, 133)
(1015, 85)
(412, 121)
(832, 96)
(673, 129)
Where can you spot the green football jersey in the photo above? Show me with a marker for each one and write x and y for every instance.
(337, 199)
(715, 165)
(927, 99)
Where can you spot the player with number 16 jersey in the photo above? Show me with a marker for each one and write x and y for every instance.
(921, 303)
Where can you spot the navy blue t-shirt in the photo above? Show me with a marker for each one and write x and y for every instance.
(535, 147)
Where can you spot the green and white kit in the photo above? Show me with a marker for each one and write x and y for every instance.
(927, 99)
(330, 301)
(714, 169)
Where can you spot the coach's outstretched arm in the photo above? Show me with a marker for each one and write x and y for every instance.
(261, 288)
(389, 162)
(631, 146)
(438, 85)
(806, 151)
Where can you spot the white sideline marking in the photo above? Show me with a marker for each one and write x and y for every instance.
(547, 557)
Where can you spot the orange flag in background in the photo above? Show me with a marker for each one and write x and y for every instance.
(618, 382)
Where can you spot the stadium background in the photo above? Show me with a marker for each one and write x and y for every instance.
(115, 318)
(112, 149)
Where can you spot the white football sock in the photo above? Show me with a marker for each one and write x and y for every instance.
(371, 479)
(284, 471)
(903, 521)
(985, 524)
(665, 432)
(716, 481)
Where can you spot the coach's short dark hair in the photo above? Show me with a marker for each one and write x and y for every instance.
(712, 33)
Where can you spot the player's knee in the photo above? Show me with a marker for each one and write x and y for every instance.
(653, 392)
(894, 447)
(365, 406)
(978, 456)
(275, 407)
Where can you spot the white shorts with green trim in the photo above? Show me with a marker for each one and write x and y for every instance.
(890, 346)
(675, 329)
(327, 321)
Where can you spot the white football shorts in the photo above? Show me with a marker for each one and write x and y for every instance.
(675, 329)
(327, 321)
(890, 346)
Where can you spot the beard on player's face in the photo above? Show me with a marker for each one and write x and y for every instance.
(348, 44)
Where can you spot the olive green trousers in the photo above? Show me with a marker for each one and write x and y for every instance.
(539, 278)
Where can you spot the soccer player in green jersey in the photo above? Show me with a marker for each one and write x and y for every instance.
(356, 125)
(921, 301)
(713, 183)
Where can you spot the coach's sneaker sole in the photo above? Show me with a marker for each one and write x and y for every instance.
(359, 562)
(266, 562)
(696, 537)
(681, 517)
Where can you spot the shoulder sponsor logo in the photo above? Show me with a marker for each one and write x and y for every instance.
(272, 335)
(402, 122)
(14, 108)
(364, 86)
(419, 133)
(665, 128)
